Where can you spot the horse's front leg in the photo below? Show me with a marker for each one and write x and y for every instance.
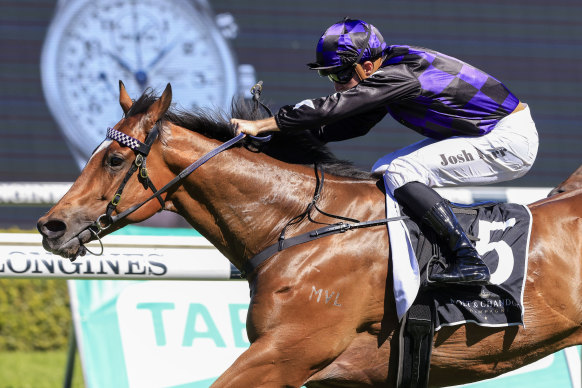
(264, 365)
(292, 339)
(300, 322)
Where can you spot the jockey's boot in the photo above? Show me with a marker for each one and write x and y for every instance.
(466, 265)
(427, 207)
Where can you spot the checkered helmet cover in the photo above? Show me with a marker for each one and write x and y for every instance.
(341, 43)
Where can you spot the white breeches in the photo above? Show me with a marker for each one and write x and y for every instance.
(505, 153)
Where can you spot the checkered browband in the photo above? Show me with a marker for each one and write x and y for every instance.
(127, 141)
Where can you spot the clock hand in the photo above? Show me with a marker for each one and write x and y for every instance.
(137, 35)
(138, 50)
(140, 75)
(119, 61)
(162, 54)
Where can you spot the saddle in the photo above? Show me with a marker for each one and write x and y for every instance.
(500, 232)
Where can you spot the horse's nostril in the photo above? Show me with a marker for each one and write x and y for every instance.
(53, 228)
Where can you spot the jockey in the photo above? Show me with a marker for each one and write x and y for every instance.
(476, 130)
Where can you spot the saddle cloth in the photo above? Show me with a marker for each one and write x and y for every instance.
(502, 231)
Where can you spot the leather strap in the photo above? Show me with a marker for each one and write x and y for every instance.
(187, 171)
(142, 150)
(251, 265)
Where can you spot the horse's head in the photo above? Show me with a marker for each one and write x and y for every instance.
(78, 216)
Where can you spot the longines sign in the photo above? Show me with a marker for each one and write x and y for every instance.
(124, 257)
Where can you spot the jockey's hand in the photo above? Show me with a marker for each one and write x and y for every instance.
(254, 128)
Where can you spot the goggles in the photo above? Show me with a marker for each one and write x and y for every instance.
(341, 75)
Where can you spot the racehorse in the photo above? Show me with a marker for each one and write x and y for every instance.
(573, 182)
(241, 199)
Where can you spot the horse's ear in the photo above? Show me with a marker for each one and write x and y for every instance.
(124, 99)
(159, 108)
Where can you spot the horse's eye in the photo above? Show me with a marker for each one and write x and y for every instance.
(115, 160)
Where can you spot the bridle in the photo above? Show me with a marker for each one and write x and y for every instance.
(142, 150)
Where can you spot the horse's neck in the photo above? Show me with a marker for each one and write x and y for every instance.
(239, 200)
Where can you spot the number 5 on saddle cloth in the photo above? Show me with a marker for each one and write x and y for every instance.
(501, 234)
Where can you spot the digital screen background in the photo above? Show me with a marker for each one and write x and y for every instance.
(534, 47)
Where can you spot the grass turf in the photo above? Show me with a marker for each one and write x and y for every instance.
(37, 370)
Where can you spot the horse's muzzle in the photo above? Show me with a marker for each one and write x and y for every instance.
(57, 241)
(52, 228)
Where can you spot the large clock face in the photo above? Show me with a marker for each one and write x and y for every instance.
(147, 43)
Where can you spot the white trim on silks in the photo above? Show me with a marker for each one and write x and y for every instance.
(308, 103)
(526, 263)
(405, 272)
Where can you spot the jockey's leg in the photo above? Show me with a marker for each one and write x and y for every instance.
(429, 208)
(503, 154)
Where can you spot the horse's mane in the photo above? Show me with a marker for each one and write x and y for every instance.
(296, 147)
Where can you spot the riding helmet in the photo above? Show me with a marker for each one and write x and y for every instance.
(341, 44)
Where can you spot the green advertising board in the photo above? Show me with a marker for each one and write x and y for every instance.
(186, 333)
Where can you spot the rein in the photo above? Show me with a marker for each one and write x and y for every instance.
(142, 150)
(109, 220)
(106, 220)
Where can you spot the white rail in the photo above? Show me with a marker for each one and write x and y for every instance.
(155, 257)
(50, 192)
(124, 257)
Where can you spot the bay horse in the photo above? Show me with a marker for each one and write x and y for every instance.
(242, 198)
(573, 182)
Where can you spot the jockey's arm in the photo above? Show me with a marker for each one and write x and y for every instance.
(384, 87)
(373, 93)
(350, 127)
